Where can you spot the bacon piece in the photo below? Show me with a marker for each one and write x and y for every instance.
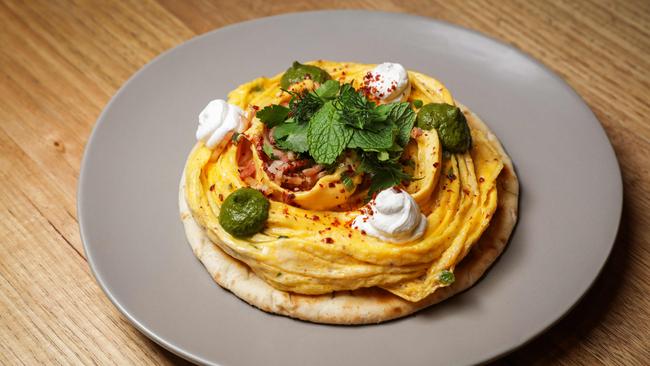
(248, 170)
(294, 180)
(313, 171)
(245, 160)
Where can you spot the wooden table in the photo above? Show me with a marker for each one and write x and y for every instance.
(60, 63)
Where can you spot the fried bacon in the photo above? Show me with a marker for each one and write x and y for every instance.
(285, 168)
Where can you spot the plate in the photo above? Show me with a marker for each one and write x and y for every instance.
(570, 203)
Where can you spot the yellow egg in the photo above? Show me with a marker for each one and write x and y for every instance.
(308, 245)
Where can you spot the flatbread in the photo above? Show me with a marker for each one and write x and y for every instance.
(368, 305)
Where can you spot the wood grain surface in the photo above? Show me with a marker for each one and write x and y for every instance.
(61, 61)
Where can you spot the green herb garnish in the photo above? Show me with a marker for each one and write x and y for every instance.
(348, 183)
(303, 105)
(417, 103)
(291, 136)
(450, 123)
(327, 135)
(268, 150)
(299, 72)
(328, 90)
(273, 115)
(403, 116)
(385, 174)
(334, 118)
(446, 277)
(244, 212)
(356, 110)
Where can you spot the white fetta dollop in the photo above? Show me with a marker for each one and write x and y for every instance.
(389, 82)
(216, 120)
(395, 217)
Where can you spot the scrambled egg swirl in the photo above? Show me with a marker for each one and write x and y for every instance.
(308, 246)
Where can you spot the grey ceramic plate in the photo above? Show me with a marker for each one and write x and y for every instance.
(570, 202)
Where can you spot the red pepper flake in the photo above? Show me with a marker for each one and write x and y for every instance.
(363, 232)
(212, 188)
(321, 185)
(315, 218)
(256, 108)
(336, 222)
(436, 164)
(481, 180)
(349, 235)
(342, 190)
(331, 184)
(328, 240)
(220, 197)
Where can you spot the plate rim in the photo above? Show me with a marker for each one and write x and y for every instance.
(178, 351)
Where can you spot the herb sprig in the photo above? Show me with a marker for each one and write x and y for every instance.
(325, 122)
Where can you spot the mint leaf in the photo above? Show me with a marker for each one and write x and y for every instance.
(327, 135)
(273, 115)
(328, 90)
(291, 136)
(404, 117)
(372, 141)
